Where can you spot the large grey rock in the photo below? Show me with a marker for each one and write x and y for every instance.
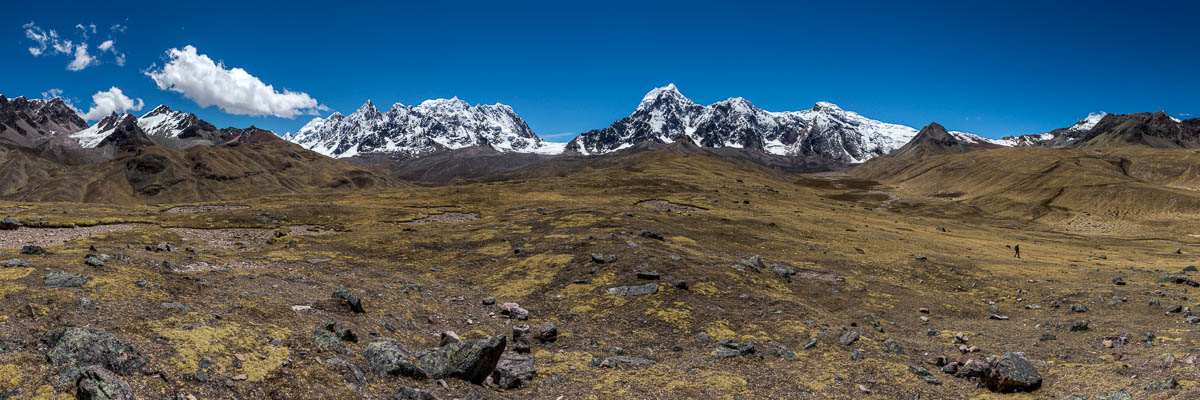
(60, 279)
(636, 290)
(472, 360)
(78, 348)
(10, 223)
(1012, 373)
(514, 371)
(389, 357)
(97, 383)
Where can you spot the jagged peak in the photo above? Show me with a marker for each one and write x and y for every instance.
(367, 107)
(666, 92)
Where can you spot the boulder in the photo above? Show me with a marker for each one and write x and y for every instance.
(389, 357)
(34, 251)
(78, 347)
(97, 383)
(350, 298)
(59, 279)
(1012, 373)
(10, 223)
(514, 371)
(471, 360)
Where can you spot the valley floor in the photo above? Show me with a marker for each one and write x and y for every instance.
(233, 302)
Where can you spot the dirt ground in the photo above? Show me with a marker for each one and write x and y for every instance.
(253, 289)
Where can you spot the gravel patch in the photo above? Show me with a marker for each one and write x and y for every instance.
(447, 217)
(663, 205)
(201, 266)
(235, 238)
(46, 237)
(203, 209)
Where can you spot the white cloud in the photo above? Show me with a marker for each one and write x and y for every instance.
(82, 59)
(48, 43)
(105, 103)
(233, 90)
(118, 28)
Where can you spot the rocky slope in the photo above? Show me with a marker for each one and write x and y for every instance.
(665, 115)
(1158, 130)
(25, 122)
(408, 131)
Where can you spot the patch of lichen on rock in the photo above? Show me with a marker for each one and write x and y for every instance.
(220, 344)
(528, 275)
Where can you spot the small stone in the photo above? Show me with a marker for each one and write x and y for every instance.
(648, 275)
(448, 337)
(514, 311)
(638, 290)
(547, 332)
(848, 337)
(1118, 281)
(487, 301)
(1079, 308)
(521, 338)
(1079, 325)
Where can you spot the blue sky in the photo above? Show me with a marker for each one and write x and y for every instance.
(983, 67)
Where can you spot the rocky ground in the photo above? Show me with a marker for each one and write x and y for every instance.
(664, 275)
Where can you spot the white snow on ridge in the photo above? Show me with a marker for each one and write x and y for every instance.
(1088, 122)
(433, 124)
(976, 139)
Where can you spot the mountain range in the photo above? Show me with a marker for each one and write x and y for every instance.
(47, 153)
(409, 131)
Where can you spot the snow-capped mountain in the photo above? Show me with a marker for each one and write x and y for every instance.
(665, 115)
(92, 136)
(164, 122)
(410, 131)
(1061, 136)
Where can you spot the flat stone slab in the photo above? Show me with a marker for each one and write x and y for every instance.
(637, 290)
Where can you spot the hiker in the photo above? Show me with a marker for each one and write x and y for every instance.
(1017, 250)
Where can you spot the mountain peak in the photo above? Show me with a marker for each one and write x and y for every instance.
(161, 109)
(367, 107)
(668, 93)
(825, 106)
